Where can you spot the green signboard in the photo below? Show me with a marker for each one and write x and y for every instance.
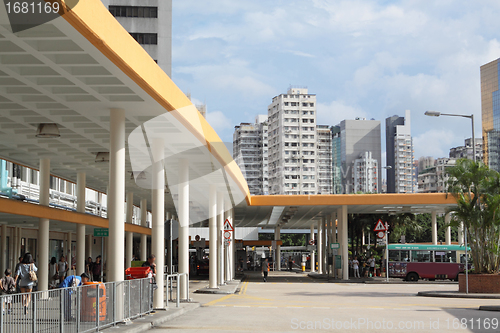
(334, 246)
(427, 247)
(338, 261)
(101, 232)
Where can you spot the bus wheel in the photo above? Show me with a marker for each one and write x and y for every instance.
(412, 276)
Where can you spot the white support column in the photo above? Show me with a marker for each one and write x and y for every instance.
(116, 204)
(168, 245)
(334, 228)
(220, 238)
(184, 225)
(3, 250)
(43, 227)
(158, 223)
(227, 273)
(331, 240)
(80, 228)
(144, 238)
(345, 251)
(69, 258)
(447, 219)
(319, 246)
(88, 249)
(129, 236)
(311, 254)
(326, 240)
(233, 247)
(434, 228)
(339, 238)
(277, 237)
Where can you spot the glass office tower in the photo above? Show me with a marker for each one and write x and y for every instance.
(490, 104)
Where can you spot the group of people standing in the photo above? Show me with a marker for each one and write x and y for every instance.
(369, 263)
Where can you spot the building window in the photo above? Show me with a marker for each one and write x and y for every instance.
(145, 39)
(134, 11)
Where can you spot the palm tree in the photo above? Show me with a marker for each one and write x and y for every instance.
(477, 192)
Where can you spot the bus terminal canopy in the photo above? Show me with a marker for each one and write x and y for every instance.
(73, 70)
(302, 211)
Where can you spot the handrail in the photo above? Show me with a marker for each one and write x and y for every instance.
(169, 284)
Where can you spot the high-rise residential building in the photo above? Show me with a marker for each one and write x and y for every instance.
(365, 173)
(324, 159)
(434, 178)
(490, 106)
(399, 155)
(292, 143)
(250, 153)
(351, 139)
(425, 162)
(466, 151)
(336, 161)
(150, 23)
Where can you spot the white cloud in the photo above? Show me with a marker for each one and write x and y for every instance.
(219, 122)
(435, 142)
(334, 112)
(361, 58)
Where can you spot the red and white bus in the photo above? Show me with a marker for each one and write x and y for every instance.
(418, 261)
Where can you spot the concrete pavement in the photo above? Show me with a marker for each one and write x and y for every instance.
(293, 302)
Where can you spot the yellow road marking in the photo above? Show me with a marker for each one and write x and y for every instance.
(215, 301)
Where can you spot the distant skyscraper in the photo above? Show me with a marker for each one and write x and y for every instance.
(490, 105)
(250, 152)
(292, 143)
(324, 159)
(365, 173)
(399, 155)
(150, 23)
(350, 140)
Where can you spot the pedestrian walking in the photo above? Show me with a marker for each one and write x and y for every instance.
(355, 267)
(26, 273)
(7, 287)
(371, 262)
(62, 267)
(290, 263)
(53, 273)
(265, 269)
(151, 264)
(88, 266)
(96, 269)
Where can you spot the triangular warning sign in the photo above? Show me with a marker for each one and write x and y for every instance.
(228, 226)
(380, 226)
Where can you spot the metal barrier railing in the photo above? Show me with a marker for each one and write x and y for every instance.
(169, 284)
(81, 309)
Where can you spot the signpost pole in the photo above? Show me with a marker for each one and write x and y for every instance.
(387, 256)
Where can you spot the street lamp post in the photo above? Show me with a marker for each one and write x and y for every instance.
(471, 117)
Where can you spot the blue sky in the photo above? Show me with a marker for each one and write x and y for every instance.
(361, 58)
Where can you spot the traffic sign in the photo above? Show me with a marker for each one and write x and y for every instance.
(101, 232)
(311, 242)
(381, 234)
(380, 226)
(334, 246)
(227, 242)
(227, 234)
(228, 226)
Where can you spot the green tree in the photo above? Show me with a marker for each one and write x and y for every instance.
(477, 191)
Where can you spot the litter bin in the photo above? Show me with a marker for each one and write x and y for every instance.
(90, 292)
(132, 273)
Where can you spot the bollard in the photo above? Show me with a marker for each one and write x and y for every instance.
(303, 264)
